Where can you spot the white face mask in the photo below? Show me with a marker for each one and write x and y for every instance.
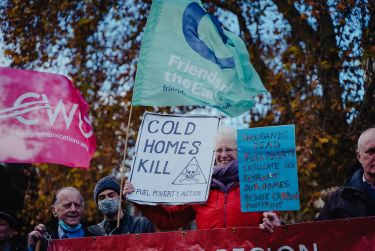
(108, 206)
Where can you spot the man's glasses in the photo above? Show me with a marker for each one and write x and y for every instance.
(227, 150)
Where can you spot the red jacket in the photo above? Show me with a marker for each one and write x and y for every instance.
(221, 210)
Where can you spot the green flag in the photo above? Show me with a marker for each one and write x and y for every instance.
(188, 59)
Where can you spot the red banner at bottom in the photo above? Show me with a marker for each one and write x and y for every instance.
(350, 234)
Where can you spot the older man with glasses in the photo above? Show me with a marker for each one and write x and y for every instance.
(223, 207)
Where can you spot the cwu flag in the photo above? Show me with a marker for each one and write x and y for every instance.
(43, 119)
(186, 58)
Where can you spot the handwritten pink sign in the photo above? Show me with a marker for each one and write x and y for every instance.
(43, 118)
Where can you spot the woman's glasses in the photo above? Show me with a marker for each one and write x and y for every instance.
(227, 150)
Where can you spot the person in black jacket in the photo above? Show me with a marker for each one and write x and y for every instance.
(67, 208)
(107, 197)
(357, 197)
(8, 226)
(346, 202)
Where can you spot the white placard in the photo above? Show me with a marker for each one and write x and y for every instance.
(174, 159)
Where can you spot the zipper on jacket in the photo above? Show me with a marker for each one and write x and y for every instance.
(225, 209)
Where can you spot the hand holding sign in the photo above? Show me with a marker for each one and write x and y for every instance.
(128, 188)
(270, 221)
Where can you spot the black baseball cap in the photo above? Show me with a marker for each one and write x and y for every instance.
(12, 222)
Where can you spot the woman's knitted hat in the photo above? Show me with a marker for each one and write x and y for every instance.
(108, 182)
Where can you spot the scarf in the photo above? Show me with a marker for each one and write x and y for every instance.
(66, 231)
(225, 178)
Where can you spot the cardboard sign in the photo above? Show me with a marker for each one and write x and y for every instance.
(174, 159)
(268, 169)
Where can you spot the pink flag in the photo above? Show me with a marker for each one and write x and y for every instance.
(43, 118)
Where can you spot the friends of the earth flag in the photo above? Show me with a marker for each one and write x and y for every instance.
(43, 118)
(188, 59)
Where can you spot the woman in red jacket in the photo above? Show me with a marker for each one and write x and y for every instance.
(223, 207)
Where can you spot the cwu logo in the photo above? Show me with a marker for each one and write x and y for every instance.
(20, 108)
(190, 22)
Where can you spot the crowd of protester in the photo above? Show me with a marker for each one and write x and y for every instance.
(356, 198)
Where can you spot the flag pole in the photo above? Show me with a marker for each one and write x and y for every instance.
(37, 246)
(123, 165)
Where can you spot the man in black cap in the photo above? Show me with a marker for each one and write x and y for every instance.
(7, 231)
(107, 197)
